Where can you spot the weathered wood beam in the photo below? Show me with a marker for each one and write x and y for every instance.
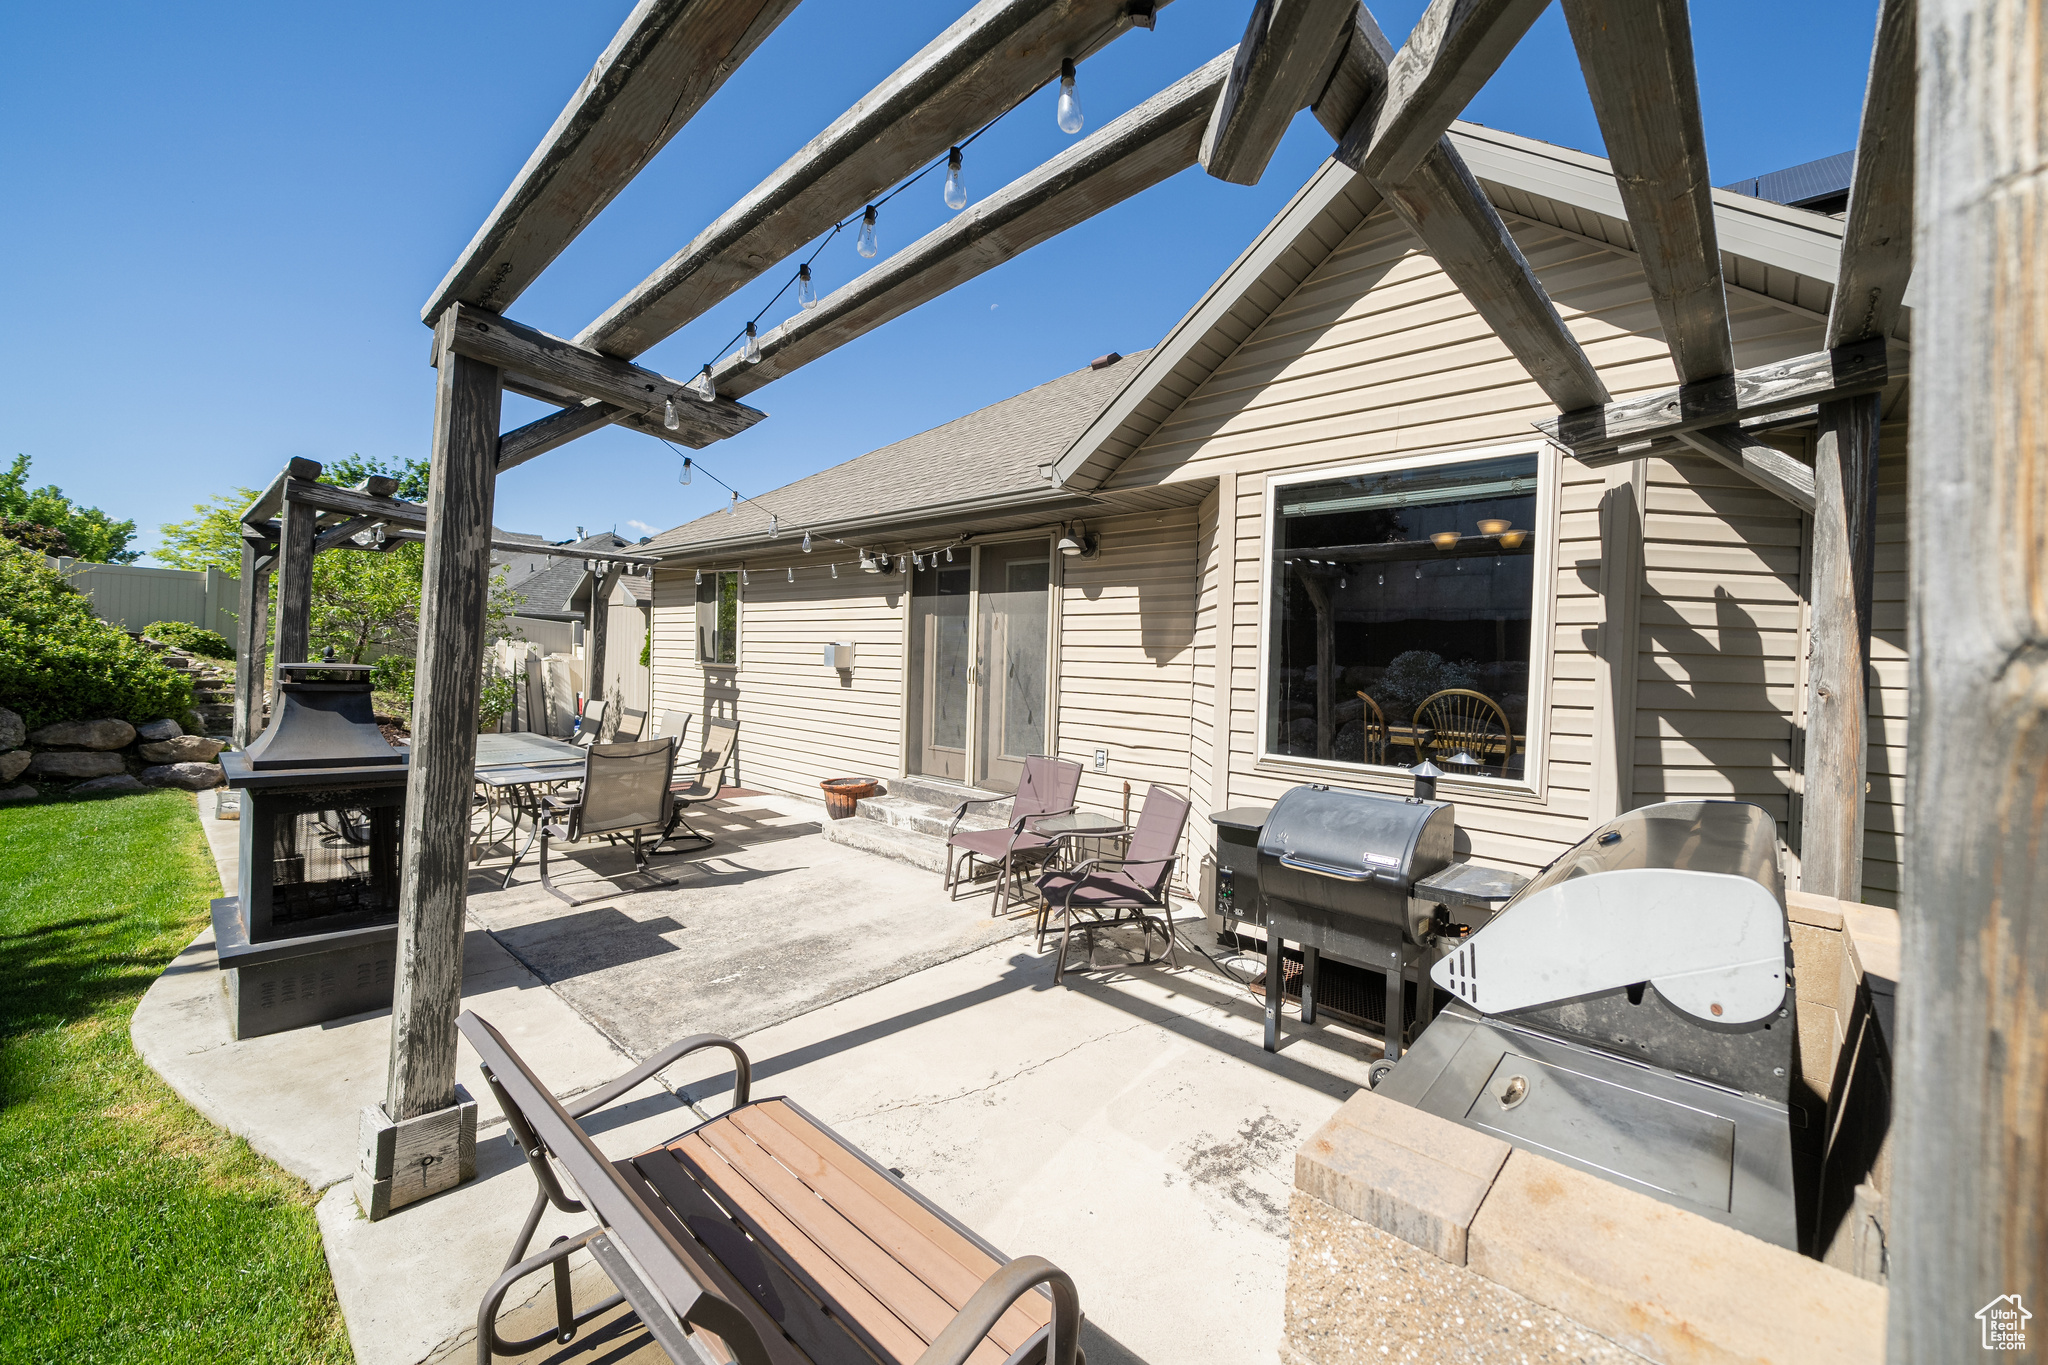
(604, 576)
(1818, 378)
(251, 622)
(1454, 49)
(527, 547)
(1877, 244)
(332, 536)
(524, 351)
(1283, 62)
(1765, 466)
(1444, 207)
(434, 863)
(268, 503)
(990, 58)
(668, 58)
(327, 497)
(1150, 143)
(294, 586)
(1637, 58)
(553, 431)
(1969, 1195)
(1663, 447)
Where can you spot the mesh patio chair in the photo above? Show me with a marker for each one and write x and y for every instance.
(673, 725)
(588, 724)
(631, 723)
(1110, 891)
(625, 796)
(1465, 730)
(1048, 787)
(699, 782)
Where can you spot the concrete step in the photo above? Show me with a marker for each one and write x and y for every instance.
(889, 841)
(947, 795)
(903, 812)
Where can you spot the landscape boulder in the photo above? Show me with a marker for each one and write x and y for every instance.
(119, 783)
(183, 749)
(193, 777)
(12, 731)
(24, 792)
(158, 730)
(56, 763)
(85, 734)
(12, 764)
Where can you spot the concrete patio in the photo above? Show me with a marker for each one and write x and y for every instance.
(1130, 1128)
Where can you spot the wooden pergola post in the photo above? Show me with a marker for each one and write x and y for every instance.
(294, 583)
(423, 1114)
(1838, 648)
(604, 576)
(251, 633)
(1970, 1204)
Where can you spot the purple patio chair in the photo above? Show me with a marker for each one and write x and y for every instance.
(1111, 891)
(1048, 787)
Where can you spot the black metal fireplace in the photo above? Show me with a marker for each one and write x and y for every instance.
(313, 935)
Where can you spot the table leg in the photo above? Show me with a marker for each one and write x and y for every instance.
(1311, 963)
(1397, 1012)
(1273, 979)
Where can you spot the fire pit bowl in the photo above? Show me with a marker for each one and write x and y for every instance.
(841, 794)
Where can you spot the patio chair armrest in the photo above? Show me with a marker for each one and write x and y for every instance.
(1012, 1282)
(661, 1061)
(960, 812)
(1114, 860)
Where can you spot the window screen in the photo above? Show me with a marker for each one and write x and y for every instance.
(1400, 617)
(718, 618)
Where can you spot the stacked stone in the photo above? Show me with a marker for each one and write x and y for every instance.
(104, 756)
(213, 693)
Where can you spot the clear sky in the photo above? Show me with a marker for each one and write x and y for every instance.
(221, 221)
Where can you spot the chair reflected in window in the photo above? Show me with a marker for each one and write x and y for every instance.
(1465, 732)
(1364, 738)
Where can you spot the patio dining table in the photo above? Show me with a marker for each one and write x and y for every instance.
(512, 769)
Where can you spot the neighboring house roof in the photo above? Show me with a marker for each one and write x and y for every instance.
(559, 591)
(1787, 254)
(1822, 185)
(991, 458)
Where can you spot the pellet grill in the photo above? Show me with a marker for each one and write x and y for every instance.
(313, 934)
(1630, 1012)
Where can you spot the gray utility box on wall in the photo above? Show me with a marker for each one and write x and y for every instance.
(313, 936)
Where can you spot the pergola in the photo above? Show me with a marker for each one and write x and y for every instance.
(1954, 103)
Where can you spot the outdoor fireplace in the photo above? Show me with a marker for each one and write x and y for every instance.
(313, 935)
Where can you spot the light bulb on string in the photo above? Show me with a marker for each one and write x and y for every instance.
(807, 542)
(743, 575)
(835, 571)
(732, 509)
(700, 578)
(703, 387)
(774, 526)
(668, 413)
(956, 192)
(750, 349)
(1070, 104)
(792, 575)
(684, 477)
(949, 554)
(865, 243)
(806, 292)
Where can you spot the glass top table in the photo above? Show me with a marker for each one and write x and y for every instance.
(524, 751)
(1084, 823)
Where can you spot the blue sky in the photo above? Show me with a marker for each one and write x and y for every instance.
(222, 221)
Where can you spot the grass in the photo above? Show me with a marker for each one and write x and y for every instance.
(131, 1229)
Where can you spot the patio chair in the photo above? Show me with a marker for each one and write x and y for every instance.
(588, 724)
(674, 725)
(630, 724)
(1462, 728)
(1374, 739)
(698, 783)
(1048, 787)
(1112, 890)
(625, 796)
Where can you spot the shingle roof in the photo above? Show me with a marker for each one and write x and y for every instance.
(553, 590)
(1806, 183)
(995, 451)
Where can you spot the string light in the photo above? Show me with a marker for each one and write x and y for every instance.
(743, 575)
(866, 244)
(751, 351)
(703, 387)
(668, 414)
(774, 526)
(1070, 104)
(732, 509)
(700, 578)
(806, 291)
(792, 575)
(956, 193)
(807, 542)
(835, 571)
(684, 477)
(949, 554)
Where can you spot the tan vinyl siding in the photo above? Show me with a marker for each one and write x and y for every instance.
(1884, 811)
(1377, 354)
(800, 722)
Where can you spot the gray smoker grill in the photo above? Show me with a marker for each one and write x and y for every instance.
(1336, 870)
(1629, 1013)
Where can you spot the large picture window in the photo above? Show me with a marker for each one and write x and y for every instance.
(1399, 617)
(718, 617)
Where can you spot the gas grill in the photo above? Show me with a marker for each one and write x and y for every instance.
(1336, 870)
(1629, 1012)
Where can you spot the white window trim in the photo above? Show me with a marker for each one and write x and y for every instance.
(1542, 623)
(739, 611)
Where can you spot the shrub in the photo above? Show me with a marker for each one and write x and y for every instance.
(60, 662)
(192, 639)
(496, 701)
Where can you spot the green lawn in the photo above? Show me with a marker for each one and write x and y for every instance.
(131, 1229)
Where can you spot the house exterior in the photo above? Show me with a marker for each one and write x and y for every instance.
(1318, 501)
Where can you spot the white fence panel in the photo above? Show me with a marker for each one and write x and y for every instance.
(132, 596)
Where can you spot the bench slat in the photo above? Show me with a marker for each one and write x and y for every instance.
(688, 1209)
(883, 1328)
(827, 1234)
(920, 1240)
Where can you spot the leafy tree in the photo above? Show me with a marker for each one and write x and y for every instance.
(413, 476)
(212, 538)
(60, 662)
(45, 519)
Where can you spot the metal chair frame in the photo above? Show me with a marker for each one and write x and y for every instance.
(570, 813)
(1158, 898)
(1012, 865)
(720, 737)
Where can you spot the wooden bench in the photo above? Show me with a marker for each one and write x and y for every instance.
(764, 1237)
